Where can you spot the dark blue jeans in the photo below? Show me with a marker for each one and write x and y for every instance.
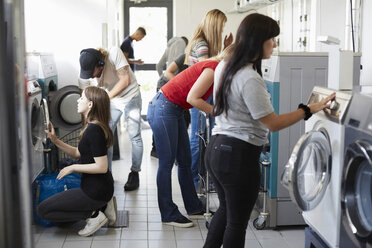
(194, 140)
(172, 142)
(234, 167)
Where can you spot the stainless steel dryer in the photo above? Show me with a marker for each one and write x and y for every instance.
(38, 116)
(356, 187)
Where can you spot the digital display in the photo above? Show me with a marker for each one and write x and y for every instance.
(354, 123)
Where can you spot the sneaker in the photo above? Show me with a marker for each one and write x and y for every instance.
(111, 211)
(133, 181)
(180, 222)
(199, 215)
(153, 153)
(93, 224)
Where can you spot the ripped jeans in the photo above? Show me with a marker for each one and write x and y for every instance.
(132, 117)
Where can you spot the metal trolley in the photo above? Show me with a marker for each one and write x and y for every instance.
(260, 222)
(205, 183)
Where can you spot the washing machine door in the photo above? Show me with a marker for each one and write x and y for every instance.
(38, 125)
(356, 198)
(308, 170)
(44, 110)
(63, 108)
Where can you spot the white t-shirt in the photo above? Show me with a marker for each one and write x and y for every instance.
(114, 61)
(249, 101)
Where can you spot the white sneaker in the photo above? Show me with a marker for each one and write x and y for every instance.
(111, 211)
(93, 224)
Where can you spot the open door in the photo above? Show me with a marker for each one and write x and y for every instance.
(308, 171)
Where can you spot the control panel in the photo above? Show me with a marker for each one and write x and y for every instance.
(338, 107)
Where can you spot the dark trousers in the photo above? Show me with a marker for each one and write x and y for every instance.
(69, 206)
(234, 167)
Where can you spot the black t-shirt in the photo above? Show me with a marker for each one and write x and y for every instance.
(99, 187)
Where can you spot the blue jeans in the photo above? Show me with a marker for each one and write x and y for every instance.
(132, 116)
(194, 140)
(172, 142)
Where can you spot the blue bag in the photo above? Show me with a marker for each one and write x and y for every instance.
(47, 185)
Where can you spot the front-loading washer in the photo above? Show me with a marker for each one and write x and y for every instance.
(313, 172)
(356, 187)
(38, 117)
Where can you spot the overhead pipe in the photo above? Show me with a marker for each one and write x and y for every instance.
(352, 25)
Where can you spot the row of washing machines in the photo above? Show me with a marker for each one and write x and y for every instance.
(329, 173)
(47, 103)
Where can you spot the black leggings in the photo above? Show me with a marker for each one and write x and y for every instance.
(234, 167)
(69, 206)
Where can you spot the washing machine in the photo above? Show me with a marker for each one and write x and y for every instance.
(313, 172)
(38, 116)
(42, 67)
(356, 186)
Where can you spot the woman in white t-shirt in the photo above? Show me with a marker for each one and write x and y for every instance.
(244, 116)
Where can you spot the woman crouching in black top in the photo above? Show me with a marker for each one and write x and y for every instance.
(94, 199)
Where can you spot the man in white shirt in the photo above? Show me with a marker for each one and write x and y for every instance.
(113, 73)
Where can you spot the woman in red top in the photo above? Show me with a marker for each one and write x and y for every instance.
(188, 89)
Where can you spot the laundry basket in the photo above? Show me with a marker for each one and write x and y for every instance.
(69, 137)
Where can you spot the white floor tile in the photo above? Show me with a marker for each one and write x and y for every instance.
(133, 244)
(77, 244)
(49, 244)
(107, 234)
(133, 234)
(162, 235)
(162, 243)
(189, 243)
(188, 234)
(106, 244)
(273, 243)
(252, 243)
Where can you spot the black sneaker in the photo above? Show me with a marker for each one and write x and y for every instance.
(153, 153)
(133, 181)
(200, 215)
(182, 221)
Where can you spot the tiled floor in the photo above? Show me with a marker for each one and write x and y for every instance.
(145, 227)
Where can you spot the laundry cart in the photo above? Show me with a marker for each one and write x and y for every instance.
(205, 188)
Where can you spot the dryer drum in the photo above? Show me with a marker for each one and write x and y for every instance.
(63, 108)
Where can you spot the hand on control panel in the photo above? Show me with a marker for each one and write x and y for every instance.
(322, 104)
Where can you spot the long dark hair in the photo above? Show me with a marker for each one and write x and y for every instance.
(253, 31)
(100, 111)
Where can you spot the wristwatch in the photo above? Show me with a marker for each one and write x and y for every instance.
(306, 109)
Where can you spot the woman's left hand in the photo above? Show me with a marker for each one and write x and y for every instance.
(228, 40)
(65, 171)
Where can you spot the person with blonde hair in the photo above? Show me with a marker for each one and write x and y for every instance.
(93, 201)
(205, 43)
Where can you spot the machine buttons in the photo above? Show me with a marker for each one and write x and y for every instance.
(334, 105)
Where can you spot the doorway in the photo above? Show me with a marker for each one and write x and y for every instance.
(156, 16)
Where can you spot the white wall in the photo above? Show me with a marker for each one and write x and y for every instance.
(189, 13)
(64, 28)
(366, 47)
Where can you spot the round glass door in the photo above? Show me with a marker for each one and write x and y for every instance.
(357, 186)
(308, 171)
(36, 124)
(45, 116)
